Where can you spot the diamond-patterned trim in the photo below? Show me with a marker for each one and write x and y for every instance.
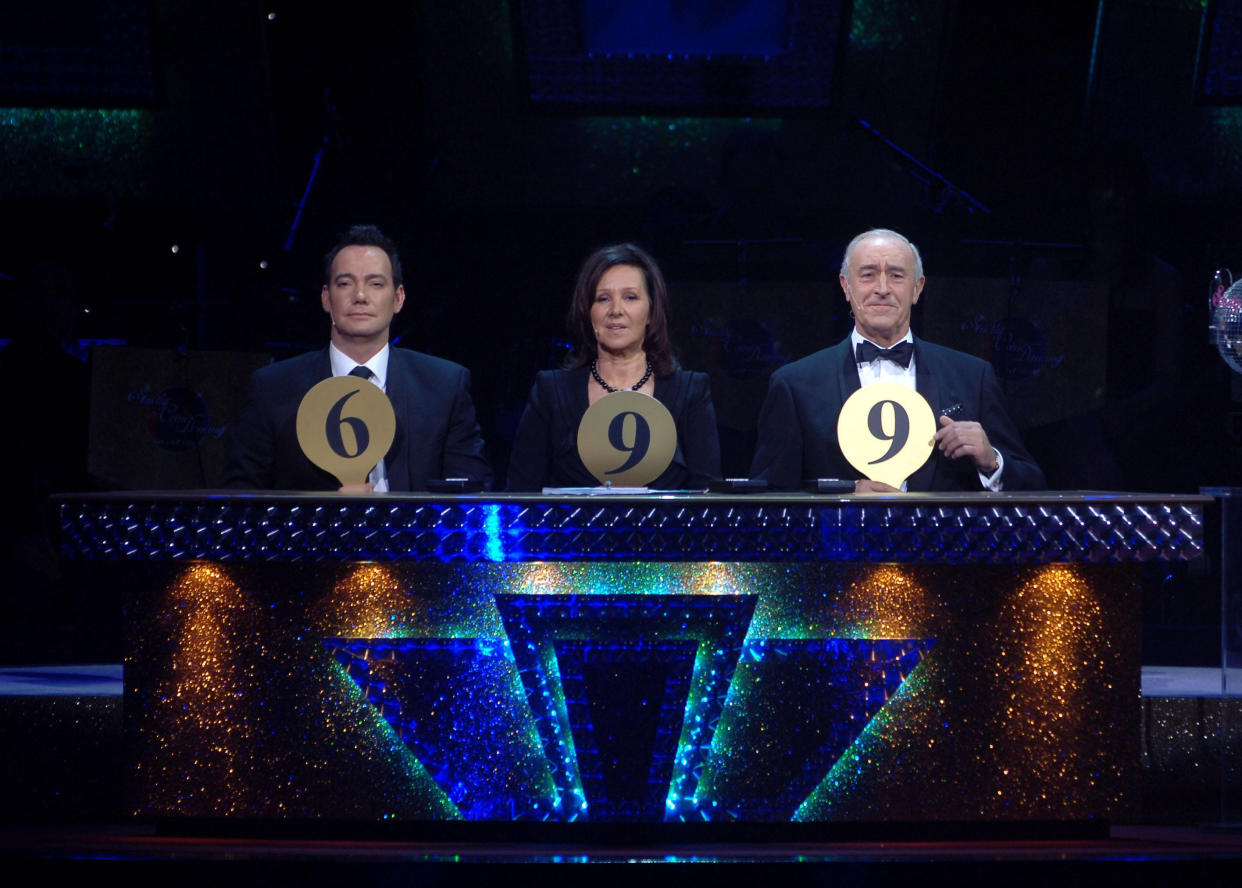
(951, 530)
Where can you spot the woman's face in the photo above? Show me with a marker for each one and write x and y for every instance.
(620, 309)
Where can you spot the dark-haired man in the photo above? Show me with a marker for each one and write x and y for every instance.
(977, 446)
(437, 434)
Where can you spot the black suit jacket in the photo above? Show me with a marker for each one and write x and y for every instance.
(545, 450)
(437, 434)
(798, 422)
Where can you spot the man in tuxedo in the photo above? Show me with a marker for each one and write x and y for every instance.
(437, 435)
(977, 446)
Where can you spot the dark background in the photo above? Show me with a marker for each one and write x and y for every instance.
(199, 126)
(174, 172)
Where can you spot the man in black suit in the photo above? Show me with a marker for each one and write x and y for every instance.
(437, 435)
(977, 446)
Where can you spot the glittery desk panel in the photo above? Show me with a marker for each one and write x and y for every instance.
(634, 691)
(916, 528)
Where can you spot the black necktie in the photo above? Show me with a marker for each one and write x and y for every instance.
(362, 371)
(901, 353)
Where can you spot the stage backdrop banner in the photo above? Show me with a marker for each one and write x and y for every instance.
(160, 417)
(1044, 341)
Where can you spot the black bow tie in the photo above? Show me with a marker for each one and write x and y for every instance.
(901, 353)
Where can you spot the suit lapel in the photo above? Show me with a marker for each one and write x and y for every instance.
(398, 390)
(847, 382)
(576, 398)
(848, 375)
(316, 373)
(928, 385)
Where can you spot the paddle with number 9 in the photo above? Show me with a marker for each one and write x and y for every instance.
(886, 432)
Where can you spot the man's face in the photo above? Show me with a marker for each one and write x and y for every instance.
(881, 289)
(360, 296)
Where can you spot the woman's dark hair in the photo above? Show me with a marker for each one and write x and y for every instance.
(656, 342)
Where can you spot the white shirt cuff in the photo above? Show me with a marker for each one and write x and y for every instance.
(992, 482)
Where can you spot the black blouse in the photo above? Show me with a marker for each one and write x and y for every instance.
(545, 451)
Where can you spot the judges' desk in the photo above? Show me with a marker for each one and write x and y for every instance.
(906, 658)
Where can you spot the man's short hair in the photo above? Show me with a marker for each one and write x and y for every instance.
(882, 232)
(365, 236)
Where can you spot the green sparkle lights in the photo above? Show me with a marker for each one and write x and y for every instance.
(910, 703)
(344, 693)
(39, 146)
(1225, 132)
(815, 692)
(887, 24)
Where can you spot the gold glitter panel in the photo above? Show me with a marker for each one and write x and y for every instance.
(861, 692)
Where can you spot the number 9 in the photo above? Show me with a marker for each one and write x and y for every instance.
(616, 437)
(901, 428)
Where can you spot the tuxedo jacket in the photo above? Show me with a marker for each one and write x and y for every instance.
(798, 423)
(545, 451)
(437, 434)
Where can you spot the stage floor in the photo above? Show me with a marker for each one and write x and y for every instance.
(138, 842)
(1131, 856)
(70, 749)
(105, 680)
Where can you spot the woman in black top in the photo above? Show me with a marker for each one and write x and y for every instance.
(618, 322)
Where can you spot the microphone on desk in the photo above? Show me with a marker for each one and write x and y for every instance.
(454, 485)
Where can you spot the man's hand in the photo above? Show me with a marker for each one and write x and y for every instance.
(958, 439)
(866, 485)
(364, 487)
